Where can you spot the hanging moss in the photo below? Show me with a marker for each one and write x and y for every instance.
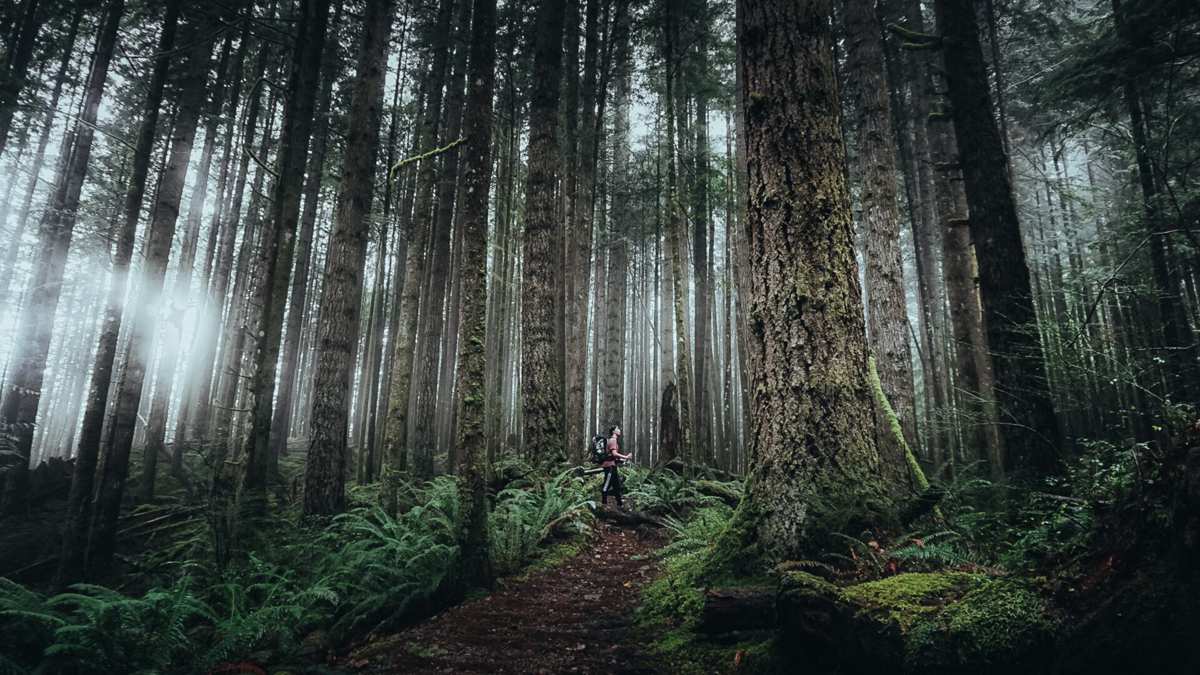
(918, 474)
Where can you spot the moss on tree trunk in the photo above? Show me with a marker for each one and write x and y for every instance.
(818, 468)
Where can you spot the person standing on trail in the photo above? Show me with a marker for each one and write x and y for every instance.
(612, 479)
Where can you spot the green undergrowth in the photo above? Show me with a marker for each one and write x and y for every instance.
(671, 606)
(295, 590)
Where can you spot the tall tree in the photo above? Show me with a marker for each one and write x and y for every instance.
(279, 237)
(118, 442)
(35, 325)
(677, 226)
(612, 380)
(298, 301)
(88, 452)
(875, 164)
(433, 315)
(39, 156)
(1180, 341)
(477, 176)
(15, 67)
(1029, 425)
(417, 235)
(341, 292)
(812, 405)
(541, 378)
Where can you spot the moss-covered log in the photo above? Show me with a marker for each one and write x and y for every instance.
(946, 622)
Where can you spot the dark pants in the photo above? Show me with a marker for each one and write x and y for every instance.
(612, 486)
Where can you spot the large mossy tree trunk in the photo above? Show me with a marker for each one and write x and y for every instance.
(1029, 426)
(476, 179)
(341, 292)
(541, 378)
(817, 464)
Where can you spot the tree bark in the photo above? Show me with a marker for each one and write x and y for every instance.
(279, 241)
(17, 65)
(434, 320)
(417, 234)
(817, 461)
(541, 381)
(875, 160)
(298, 300)
(476, 569)
(341, 293)
(143, 319)
(1029, 426)
(1179, 341)
(35, 325)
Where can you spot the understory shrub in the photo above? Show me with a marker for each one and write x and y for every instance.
(300, 585)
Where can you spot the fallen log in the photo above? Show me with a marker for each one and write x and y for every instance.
(730, 610)
(724, 491)
(630, 518)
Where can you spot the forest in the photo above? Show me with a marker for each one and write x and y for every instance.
(600, 336)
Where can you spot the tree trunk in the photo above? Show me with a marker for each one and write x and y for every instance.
(1029, 426)
(298, 300)
(700, 255)
(39, 158)
(35, 325)
(418, 232)
(875, 160)
(612, 384)
(223, 270)
(817, 462)
(17, 65)
(341, 293)
(279, 241)
(581, 228)
(434, 304)
(475, 565)
(1179, 341)
(541, 381)
(677, 236)
(143, 320)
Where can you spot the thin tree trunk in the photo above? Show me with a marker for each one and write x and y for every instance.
(434, 315)
(341, 293)
(17, 65)
(875, 160)
(35, 325)
(475, 564)
(418, 232)
(114, 464)
(298, 301)
(279, 241)
(1029, 425)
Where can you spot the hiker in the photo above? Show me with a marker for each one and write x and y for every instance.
(612, 479)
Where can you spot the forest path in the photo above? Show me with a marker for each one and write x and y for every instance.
(576, 617)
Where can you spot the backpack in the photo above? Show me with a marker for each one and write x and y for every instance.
(599, 450)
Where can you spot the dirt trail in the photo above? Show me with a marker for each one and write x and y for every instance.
(572, 618)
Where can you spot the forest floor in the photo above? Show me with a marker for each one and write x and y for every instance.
(574, 617)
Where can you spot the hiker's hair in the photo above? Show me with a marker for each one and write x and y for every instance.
(613, 428)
